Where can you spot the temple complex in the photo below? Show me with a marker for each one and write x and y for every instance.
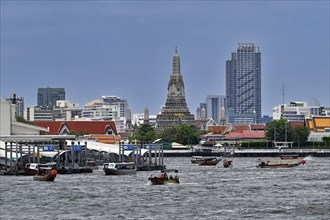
(175, 111)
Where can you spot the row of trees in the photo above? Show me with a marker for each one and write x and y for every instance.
(281, 130)
(277, 130)
(184, 134)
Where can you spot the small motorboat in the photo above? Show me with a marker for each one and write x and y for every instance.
(205, 161)
(281, 163)
(227, 163)
(46, 174)
(165, 177)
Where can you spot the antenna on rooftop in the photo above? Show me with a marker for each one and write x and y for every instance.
(283, 94)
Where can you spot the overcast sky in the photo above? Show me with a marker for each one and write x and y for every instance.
(125, 49)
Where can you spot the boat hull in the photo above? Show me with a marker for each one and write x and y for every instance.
(108, 171)
(157, 180)
(280, 165)
(49, 177)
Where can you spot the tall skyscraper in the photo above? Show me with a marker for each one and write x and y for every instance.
(243, 85)
(175, 111)
(48, 96)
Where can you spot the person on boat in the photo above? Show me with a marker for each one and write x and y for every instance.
(54, 172)
(176, 176)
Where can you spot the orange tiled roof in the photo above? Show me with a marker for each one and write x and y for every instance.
(318, 123)
(90, 127)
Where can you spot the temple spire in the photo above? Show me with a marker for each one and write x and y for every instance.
(176, 63)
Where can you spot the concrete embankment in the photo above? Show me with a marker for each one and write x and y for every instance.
(250, 153)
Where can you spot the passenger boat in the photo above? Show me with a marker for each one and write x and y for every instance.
(288, 163)
(46, 174)
(165, 177)
(227, 163)
(205, 161)
(123, 168)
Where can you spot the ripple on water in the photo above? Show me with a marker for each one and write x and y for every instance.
(243, 191)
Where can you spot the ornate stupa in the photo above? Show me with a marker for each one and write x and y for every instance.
(175, 111)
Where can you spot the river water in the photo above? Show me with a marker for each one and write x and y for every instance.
(240, 192)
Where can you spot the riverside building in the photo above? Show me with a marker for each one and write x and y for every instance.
(175, 111)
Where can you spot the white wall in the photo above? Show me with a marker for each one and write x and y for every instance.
(7, 113)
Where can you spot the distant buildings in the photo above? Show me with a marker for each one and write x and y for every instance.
(63, 110)
(243, 85)
(49, 96)
(297, 111)
(19, 102)
(175, 111)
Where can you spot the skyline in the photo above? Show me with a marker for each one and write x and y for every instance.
(125, 49)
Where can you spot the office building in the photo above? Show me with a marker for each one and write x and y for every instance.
(49, 96)
(243, 85)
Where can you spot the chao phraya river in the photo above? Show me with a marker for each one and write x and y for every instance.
(240, 192)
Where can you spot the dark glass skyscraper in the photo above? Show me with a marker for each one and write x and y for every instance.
(48, 96)
(243, 85)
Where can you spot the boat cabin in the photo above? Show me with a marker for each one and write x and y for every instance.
(119, 166)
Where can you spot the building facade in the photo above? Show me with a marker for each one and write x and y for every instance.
(296, 111)
(49, 96)
(214, 104)
(122, 104)
(175, 111)
(243, 85)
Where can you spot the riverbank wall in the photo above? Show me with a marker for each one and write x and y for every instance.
(250, 153)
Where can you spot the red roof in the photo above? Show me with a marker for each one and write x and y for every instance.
(246, 135)
(217, 128)
(241, 127)
(258, 127)
(90, 127)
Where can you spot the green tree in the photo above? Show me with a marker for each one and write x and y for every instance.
(300, 134)
(22, 120)
(169, 134)
(145, 134)
(278, 130)
(186, 134)
(326, 141)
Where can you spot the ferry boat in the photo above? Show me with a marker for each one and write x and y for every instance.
(123, 168)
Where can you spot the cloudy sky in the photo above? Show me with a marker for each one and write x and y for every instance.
(125, 48)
